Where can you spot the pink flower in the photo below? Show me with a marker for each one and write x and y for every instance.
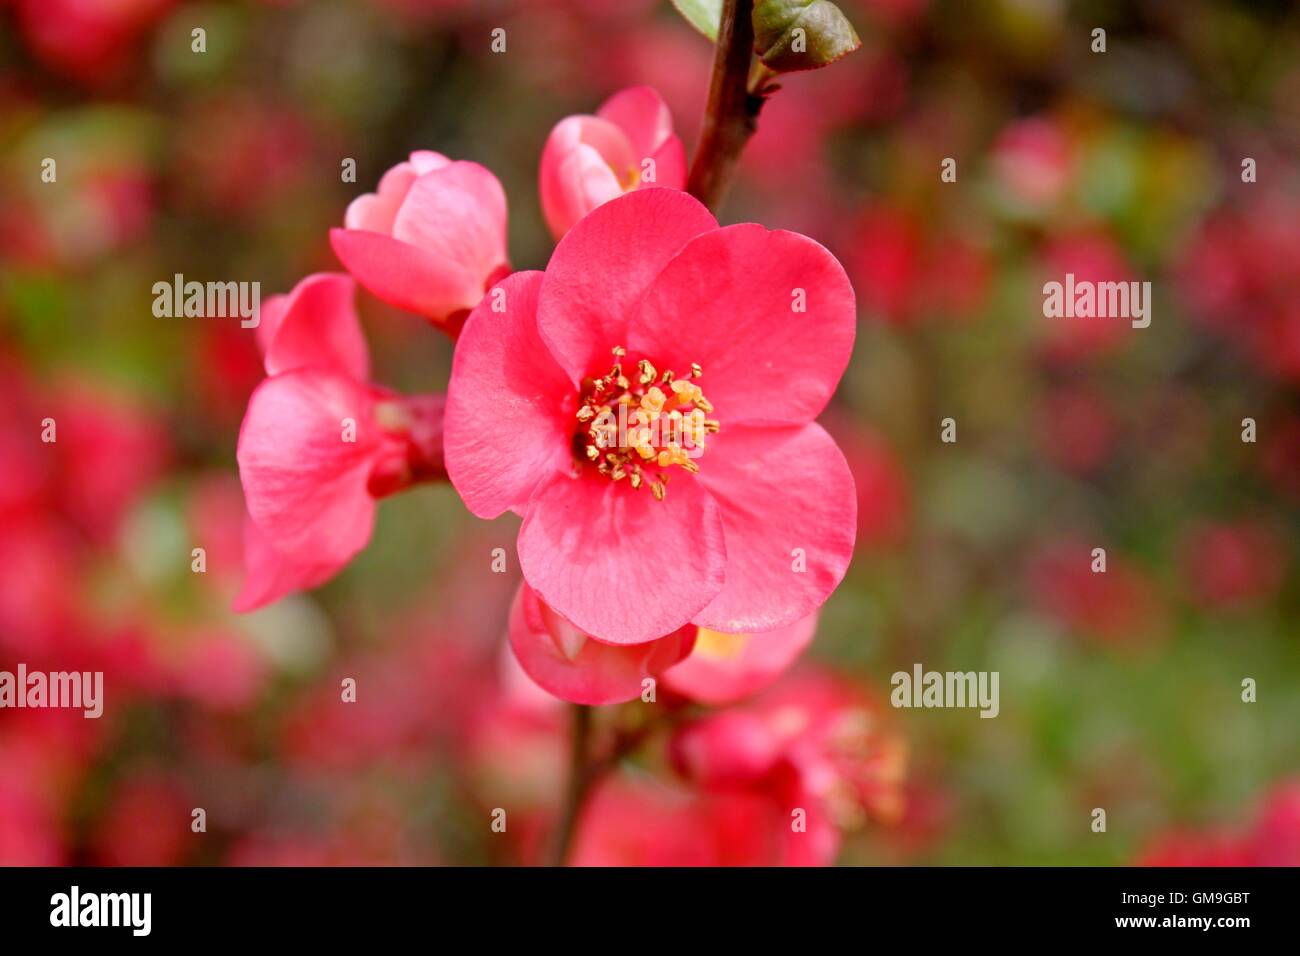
(84, 39)
(29, 830)
(704, 665)
(432, 240)
(147, 823)
(1232, 564)
(773, 783)
(319, 444)
(1032, 164)
(1271, 839)
(1275, 838)
(588, 160)
(812, 742)
(1119, 606)
(1091, 256)
(1076, 428)
(733, 511)
(639, 821)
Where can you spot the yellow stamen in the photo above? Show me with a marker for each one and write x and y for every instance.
(626, 424)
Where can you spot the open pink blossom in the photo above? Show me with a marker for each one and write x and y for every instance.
(589, 160)
(319, 444)
(714, 499)
(431, 240)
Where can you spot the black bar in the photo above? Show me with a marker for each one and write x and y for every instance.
(216, 906)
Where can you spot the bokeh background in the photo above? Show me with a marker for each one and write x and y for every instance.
(1120, 691)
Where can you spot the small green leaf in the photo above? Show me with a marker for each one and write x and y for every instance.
(704, 15)
(791, 35)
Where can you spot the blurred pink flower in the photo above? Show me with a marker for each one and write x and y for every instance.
(640, 821)
(773, 783)
(241, 155)
(1076, 428)
(1188, 848)
(652, 272)
(1271, 839)
(1120, 605)
(1237, 277)
(112, 448)
(1092, 256)
(908, 275)
(86, 39)
(29, 834)
(1032, 163)
(431, 240)
(1232, 564)
(588, 160)
(319, 444)
(813, 742)
(146, 824)
(221, 671)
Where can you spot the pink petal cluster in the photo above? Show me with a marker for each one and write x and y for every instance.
(319, 443)
(588, 160)
(776, 782)
(431, 240)
(749, 530)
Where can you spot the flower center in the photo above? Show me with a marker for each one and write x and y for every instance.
(639, 425)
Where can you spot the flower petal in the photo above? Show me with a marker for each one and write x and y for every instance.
(575, 176)
(376, 211)
(270, 575)
(729, 301)
(619, 564)
(304, 484)
(780, 489)
(510, 408)
(315, 325)
(574, 667)
(723, 668)
(670, 165)
(457, 212)
(602, 267)
(641, 113)
(404, 276)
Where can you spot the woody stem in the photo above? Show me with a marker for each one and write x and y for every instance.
(732, 112)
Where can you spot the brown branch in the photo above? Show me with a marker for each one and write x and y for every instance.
(581, 776)
(732, 113)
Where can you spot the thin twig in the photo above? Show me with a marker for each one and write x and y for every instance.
(580, 779)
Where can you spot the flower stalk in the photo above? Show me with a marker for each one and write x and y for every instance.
(581, 774)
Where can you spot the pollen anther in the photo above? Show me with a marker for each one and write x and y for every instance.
(637, 429)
